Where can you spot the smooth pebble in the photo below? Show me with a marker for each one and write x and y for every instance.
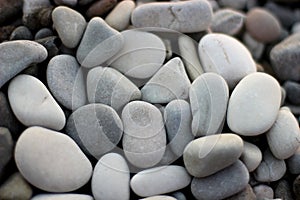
(68, 196)
(251, 156)
(293, 162)
(159, 197)
(292, 91)
(21, 33)
(255, 47)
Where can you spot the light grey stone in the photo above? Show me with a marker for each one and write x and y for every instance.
(169, 83)
(251, 156)
(66, 82)
(179, 196)
(160, 180)
(18, 55)
(51, 161)
(69, 25)
(97, 128)
(68, 196)
(209, 96)
(108, 86)
(33, 104)
(144, 139)
(254, 104)
(225, 183)
(226, 56)
(111, 178)
(186, 16)
(93, 51)
(209, 154)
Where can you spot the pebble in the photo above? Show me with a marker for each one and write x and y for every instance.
(69, 25)
(296, 187)
(254, 104)
(284, 14)
(293, 162)
(65, 81)
(21, 33)
(6, 150)
(159, 197)
(94, 51)
(144, 137)
(160, 180)
(184, 16)
(251, 156)
(226, 56)
(68, 196)
(170, 82)
(285, 57)
(209, 96)
(223, 184)
(270, 169)
(50, 43)
(15, 187)
(51, 161)
(179, 196)
(119, 17)
(293, 91)
(190, 58)
(108, 86)
(43, 33)
(227, 21)
(178, 118)
(102, 132)
(33, 104)
(256, 48)
(100, 7)
(245, 194)
(209, 154)
(139, 45)
(283, 190)
(113, 169)
(284, 136)
(9, 9)
(26, 52)
(236, 4)
(296, 27)
(71, 3)
(263, 192)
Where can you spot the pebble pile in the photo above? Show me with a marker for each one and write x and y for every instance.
(151, 100)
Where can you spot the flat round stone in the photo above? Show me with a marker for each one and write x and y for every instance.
(186, 16)
(254, 104)
(226, 56)
(68, 196)
(160, 180)
(18, 55)
(209, 154)
(51, 161)
(65, 81)
(225, 183)
(284, 136)
(209, 96)
(97, 128)
(144, 139)
(148, 51)
(112, 168)
(33, 104)
(251, 156)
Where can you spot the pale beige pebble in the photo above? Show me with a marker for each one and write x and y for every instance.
(254, 104)
(284, 136)
(33, 104)
(251, 156)
(255, 47)
(209, 154)
(119, 17)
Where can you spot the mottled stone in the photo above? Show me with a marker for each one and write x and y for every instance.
(245, 194)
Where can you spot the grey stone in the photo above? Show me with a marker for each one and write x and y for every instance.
(223, 184)
(256, 48)
(65, 81)
(71, 3)
(33, 104)
(293, 92)
(285, 57)
(69, 25)
(283, 190)
(108, 86)
(236, 4)
(42, 33)
(270, 169)
(113, 169)
(227, 21)
(254, 104)
(15, 187)
(21, 33)
(188, 16)
(6, 148)
(284, 136)
(226, 56)
(170, 82)
(263, 191)
(296, 27)
(94, 51)
(209, 96)
(293, 162)
(51, 161)
(68, 196)
(96, 128)
(251, 156)
(209, 154)
(160, 180)
(139, 44)
(178, 118)
(159, 197)
(245, 194)
(18, 55)
(296, 187)
(179, 196)
(144, 139)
